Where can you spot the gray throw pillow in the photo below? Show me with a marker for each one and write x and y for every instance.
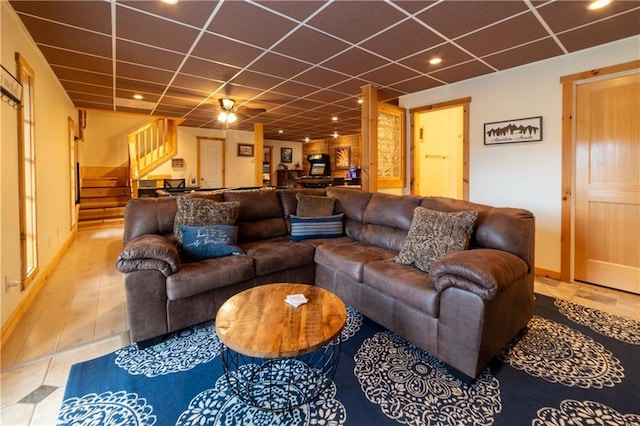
(203, 212)
(434, 234)
(314, 206)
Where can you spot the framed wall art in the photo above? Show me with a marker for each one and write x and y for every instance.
(245, 150)
(513, 131)
(343, 157)
(286, 155)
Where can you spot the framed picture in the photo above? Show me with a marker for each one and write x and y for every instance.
(513, 131)
(286, 155)
(245, 150)
(343, 157)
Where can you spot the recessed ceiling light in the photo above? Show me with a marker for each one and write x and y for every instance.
(306, 139)
(334, 118)
(360, 101)
(435, 61)
(169, 1)
(598, 4)
(138, 97)
(280, 131)
(335, 135)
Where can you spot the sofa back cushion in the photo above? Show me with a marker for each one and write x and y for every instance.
(352, 202)
(261, 216)
(289, 201)
(148, 216)
(387, 219)
(502, 228)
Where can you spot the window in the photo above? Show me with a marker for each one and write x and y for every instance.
(27, 174)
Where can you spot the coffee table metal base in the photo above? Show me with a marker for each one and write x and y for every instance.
(280, 384)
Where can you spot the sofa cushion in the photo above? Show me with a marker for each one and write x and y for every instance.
(203, 212)
(303, 228)
(434, 234)
(404, 283)
(199, 277)
(256, 204)
(278, 254)
(350, 258)
(313, 206)
(208, 242)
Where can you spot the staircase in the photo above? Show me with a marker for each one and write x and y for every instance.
(151, 146)
(104, 192)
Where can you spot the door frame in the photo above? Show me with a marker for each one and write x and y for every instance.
(224, 161)
(465, 103)
(567, 223)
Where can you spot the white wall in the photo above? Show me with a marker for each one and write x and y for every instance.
(524, 175)
(52, 110)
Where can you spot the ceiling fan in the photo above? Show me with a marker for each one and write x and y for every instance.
(229, 112)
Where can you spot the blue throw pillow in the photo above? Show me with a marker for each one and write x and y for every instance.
(207, 242)
(303, 228)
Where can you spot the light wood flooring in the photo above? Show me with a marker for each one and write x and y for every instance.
(80, 314)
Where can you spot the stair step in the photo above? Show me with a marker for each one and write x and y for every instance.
(96, 203)
(100, 223)
(102, 213)
(104, 192)
(103, 182)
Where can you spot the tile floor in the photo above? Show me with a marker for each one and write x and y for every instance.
(80, 314)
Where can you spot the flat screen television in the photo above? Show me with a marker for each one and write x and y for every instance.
(317, 169)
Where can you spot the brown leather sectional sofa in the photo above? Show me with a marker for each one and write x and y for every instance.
(464, 310)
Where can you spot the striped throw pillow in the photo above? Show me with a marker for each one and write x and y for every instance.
(303, 228)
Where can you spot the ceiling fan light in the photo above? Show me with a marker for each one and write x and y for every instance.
(226, 103)
(222, 116)
(231, 117)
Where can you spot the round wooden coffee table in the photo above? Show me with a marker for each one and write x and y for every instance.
(276, 356)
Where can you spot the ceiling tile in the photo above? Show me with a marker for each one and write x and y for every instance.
(296, 10)
(340, 16)
(49, 33)
(204, 85)
(565, 15)
(414, 6)
(320, 77)
(462, 72)
(416, 84)
(532, 52)
(449, 53)
(237, 21)
(279, 66)
(256, 80)
(65, 74)
(73, 86)
(193, 13)
(624, 26)
(136, 53)
(143, 74)
(226, 51)
(389, 74)
(310, 45)
(510, 33)
(455, 18)
(208, 69)
(92, 15)
(157, 32)
(354, 62)
(76, 60)
(403, 40)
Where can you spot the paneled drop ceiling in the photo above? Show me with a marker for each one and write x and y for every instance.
(303, 61)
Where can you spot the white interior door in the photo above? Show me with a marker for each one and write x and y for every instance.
(607, 202)
(211, 170)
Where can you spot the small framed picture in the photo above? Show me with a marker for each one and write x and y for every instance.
(245, 150)
(286, 155)
(513, 131)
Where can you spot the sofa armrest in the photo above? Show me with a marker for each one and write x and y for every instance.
(149, 252)
(484, 272)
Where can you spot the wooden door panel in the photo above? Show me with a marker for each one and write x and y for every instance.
(607, 209)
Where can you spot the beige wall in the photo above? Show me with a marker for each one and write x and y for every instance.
(52, 110)
(527, 175)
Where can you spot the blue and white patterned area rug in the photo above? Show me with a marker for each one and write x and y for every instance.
(573, 366)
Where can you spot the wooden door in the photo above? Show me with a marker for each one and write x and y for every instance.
(211, 162)
(607, 203)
